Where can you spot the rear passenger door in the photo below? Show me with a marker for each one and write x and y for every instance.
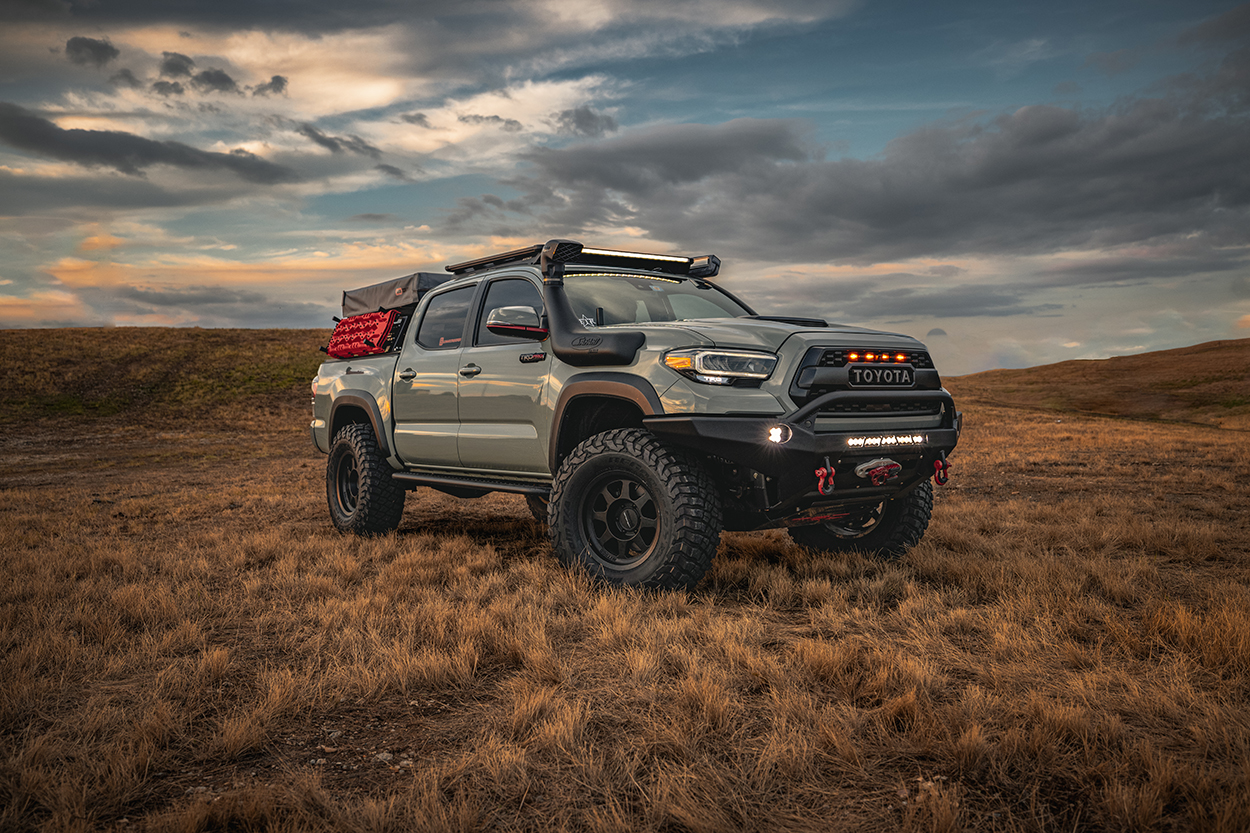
(423, 392)
(504, 422)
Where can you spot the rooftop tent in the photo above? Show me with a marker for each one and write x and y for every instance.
(391, 294)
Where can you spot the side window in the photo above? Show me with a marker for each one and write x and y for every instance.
(443, 322)
(514, 292)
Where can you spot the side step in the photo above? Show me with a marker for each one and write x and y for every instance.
(520, 487)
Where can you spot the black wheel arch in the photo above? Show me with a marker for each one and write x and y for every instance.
(591, 403)
(352, 407)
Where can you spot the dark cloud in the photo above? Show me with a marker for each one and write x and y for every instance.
(191, 296)
(338, 144)
(90, 52)
(275, 86)
(207, 306)
(419, 119)
(215, 80)
(176, 65)
(583, 121)
(126, 78)
(1113, 63)
(508, 125)
(167, 88)
(126, 152)
(1041, 179)
(1232, 26)
(393, 172)
(373, 218)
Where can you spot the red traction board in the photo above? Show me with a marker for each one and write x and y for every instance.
(351, 333)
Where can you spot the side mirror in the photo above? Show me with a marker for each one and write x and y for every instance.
(516, 322)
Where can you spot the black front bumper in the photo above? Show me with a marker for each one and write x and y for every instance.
(791, 466)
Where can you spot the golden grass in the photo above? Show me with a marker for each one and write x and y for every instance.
(185, 644)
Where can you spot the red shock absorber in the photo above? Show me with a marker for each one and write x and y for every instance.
(941, 470)
(824, 478)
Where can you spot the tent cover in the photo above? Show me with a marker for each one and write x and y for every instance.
(392, 294)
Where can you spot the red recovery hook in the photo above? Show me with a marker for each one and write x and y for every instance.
(824, 478)
(941, 470)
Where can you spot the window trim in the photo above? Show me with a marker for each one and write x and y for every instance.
(481, 307)
(429, 301)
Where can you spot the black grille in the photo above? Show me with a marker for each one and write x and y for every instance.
(841, 357)
(908, 408)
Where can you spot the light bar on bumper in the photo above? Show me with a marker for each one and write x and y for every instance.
(721, 367)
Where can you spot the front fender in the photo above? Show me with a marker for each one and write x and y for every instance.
(605, 384)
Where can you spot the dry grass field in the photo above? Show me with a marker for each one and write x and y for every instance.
(186, 644)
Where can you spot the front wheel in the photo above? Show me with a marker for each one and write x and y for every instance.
(363, 497)
(633, 512)
(887, 529)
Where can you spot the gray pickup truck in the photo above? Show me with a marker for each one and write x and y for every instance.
(638, 406)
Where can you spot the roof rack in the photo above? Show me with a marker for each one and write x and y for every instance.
(703, 266)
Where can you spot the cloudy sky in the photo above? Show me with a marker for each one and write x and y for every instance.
(1016, 183)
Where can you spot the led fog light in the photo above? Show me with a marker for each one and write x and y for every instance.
(780, 434)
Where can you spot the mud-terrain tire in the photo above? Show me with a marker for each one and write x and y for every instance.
(363, 497)
(635, 513)
(888, 530)
(538, 507)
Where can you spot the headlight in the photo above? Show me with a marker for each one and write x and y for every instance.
(721, 367)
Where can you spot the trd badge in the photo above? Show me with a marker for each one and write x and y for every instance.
(530, 358)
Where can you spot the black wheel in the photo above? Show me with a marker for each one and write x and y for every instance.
(538, 507)
(888, 529)
(363, 498)
(635, 513)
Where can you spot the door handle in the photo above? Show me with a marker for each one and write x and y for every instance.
(407, 374)
(470, 370)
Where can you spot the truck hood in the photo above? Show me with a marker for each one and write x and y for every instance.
(754, 334)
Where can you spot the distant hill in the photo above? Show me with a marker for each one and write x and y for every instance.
(164, 374)
(1207, 383)
(153, 374)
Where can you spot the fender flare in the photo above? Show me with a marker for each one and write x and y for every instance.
(608, 385)
(362, 399)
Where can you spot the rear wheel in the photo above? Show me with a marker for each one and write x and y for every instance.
(363, 497)
(888, 529)
(633, 512)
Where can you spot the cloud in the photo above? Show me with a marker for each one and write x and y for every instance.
(176, 65)
(583, 121)
(167, 88)
(215, 80)
(126, 152)
(1041, 179)
(393, 172)
(125, 78)
(508, 125)
(275, 86)
(373, 218)
(90, 52)
(419, 119)
(338, 144)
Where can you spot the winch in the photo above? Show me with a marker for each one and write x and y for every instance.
(880, 471)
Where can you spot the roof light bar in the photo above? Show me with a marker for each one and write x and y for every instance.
(569, 251)
(639, 255)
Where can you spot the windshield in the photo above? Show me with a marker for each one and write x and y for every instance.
(603, 299)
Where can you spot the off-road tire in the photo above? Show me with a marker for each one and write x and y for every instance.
(363, 497)
(626, 479)
(898, 527)
(538, 508)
